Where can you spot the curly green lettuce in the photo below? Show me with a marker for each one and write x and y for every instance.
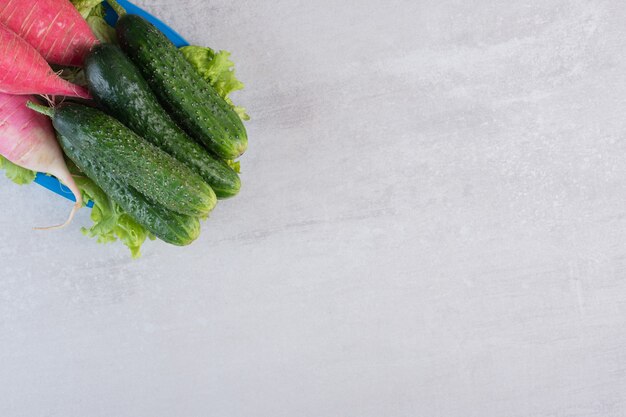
(110, 221)
(16, 173)
(93, 12)
(219, 70)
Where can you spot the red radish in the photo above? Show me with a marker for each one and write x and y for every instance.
(24, 71)
(27, 139)
(54, 27)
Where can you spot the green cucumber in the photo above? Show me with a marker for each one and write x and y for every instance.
(176, 229)
(134, 161)
(118, 87)
(188, 97)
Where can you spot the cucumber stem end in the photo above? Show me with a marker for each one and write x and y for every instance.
(48, 111)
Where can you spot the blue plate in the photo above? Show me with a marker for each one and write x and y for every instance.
(52, 183)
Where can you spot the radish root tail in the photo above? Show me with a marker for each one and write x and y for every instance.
(76, 207)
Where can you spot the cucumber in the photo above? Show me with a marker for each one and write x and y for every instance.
(188, 97)
(118, 87)
(133, 161)
(170, 227)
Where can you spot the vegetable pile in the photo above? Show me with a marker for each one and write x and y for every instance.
(144, 130)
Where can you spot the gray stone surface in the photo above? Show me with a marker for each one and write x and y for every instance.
(432, 224)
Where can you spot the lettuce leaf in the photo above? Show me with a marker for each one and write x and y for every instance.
(75, 75)
(110, 221)
(93, 12)
(16, 173)
(219, 70)
(85, 7)
(235, 165)
(99, 26)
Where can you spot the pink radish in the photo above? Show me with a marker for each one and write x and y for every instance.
(27, 139)
(53, 27)
(24, 71)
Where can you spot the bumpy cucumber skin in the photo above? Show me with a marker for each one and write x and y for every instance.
(173, 228)
(118, 87)
(188, 97)
(134, 161)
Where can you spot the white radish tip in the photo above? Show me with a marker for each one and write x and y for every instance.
(76, 207)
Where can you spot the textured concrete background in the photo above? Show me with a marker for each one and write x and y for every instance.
(432, 224)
